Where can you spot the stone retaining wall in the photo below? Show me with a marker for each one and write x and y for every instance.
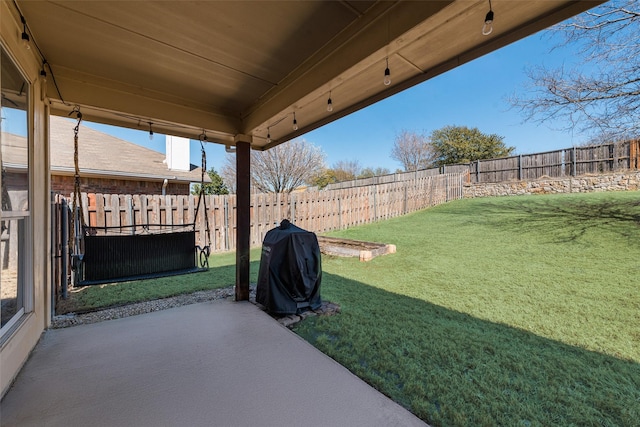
(619, 181)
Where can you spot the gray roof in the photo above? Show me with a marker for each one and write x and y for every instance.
(14, 151)
(100, 154)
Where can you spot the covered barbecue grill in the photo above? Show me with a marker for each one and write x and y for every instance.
(290, 271)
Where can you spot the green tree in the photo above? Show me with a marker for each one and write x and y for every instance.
(323, 178)
(371, 172)
(460, 144)
(216, 186)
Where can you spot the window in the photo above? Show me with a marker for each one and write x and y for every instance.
(14, 197)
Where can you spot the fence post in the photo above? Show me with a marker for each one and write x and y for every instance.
(275, 219)
(77, 245)
(520, 167)
(375, 203)
(432, 181)
(339, 212)
(226, 222)
(405, 197)
(84, 200)
(574, 161)
(132, 217)
(446, 188)
(478, 171)
(614, 153)
(64, 249)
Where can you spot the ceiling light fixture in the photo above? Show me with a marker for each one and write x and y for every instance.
(268, 135)
(150, 131)
(25, 36)
(487, 28)
(387, 74)
(329, 103)
(295, 122)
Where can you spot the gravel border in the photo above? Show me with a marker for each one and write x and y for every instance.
(73, 319)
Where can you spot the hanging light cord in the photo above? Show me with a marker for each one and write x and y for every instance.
(45, 63)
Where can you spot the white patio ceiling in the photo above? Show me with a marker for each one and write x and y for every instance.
(244, 67)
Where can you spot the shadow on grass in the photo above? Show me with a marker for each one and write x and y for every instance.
(91, 298)
(566, 218)
(453, 369)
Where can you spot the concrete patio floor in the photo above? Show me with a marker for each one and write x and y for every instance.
(219, 363)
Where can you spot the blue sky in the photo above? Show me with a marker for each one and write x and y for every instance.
(472, 95)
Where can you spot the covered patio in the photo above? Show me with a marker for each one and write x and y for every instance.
(248, 75)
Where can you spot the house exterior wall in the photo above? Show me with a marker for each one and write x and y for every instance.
(16, 345)
(62, 184)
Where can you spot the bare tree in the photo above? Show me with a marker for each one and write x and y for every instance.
(603, 95)
(345, 170)
(280, 169)
(412, 150)
(228, 173)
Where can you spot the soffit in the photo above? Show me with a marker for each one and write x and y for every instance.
(232, 68)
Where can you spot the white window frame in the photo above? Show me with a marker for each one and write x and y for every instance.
(23, 219)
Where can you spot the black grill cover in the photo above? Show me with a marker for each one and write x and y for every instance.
(290, 271)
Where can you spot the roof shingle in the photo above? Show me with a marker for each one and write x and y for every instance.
(100, 154)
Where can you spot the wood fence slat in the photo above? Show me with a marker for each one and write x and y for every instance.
(100, 213)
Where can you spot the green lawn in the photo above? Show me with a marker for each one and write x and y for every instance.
(501, 311)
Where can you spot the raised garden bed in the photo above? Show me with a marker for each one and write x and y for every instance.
(366, 251)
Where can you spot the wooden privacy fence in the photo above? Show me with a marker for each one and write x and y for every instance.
(317, 211)
(572, 161)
